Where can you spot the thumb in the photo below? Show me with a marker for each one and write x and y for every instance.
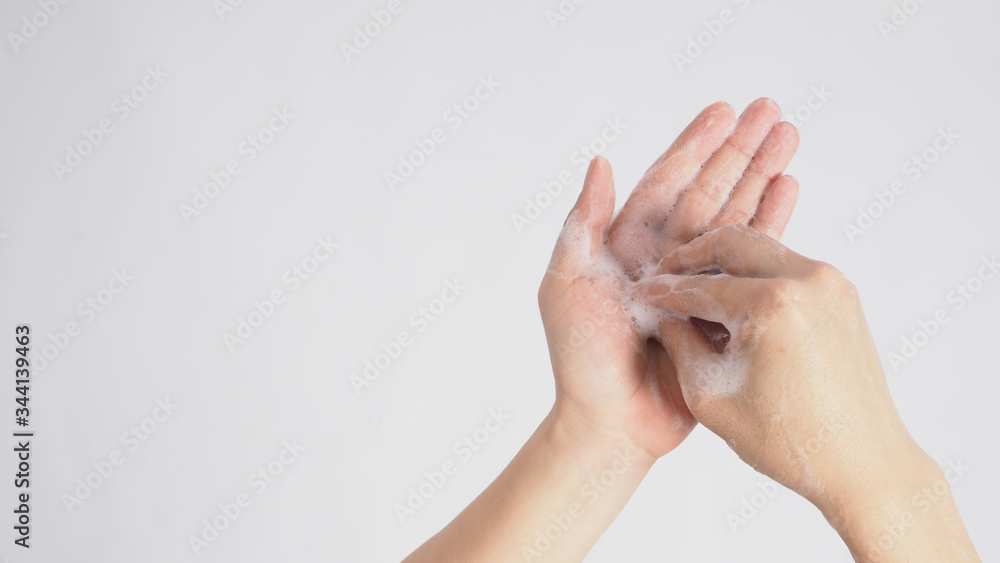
(596, 204)
(586, 227)
(686, 345)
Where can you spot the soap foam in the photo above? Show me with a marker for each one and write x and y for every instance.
(712, 374)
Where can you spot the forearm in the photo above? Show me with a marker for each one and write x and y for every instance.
(551, 503)
(908, 515)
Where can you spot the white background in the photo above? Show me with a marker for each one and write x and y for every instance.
(323, 176)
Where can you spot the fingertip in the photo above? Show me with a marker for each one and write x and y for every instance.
(589, 184)
(792, 184)
(768, 102)
(764, 107)
(603, 182)
(721, 111)
(596, 203)
(776, 207)
(789, 132)
(595, 164)
(719, 106)
(598, 172)
(787, 190)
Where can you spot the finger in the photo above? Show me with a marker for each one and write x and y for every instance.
(717, 333)
(703, 199)
(767, 165)
(681, 163)
(581, 241)
(665, 372)
(665, 375)
(635, 232)
(719, 299)
(736, 249)
(775, 210)
(685, 345)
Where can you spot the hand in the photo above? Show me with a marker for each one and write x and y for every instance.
(799, 392)
(608, 377)
(715, 174)
(617, 408)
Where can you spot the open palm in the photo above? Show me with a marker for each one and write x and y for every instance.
(719, 171)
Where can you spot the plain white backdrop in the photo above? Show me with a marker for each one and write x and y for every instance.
(68, 228)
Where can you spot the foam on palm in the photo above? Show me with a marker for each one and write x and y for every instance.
(709, 373)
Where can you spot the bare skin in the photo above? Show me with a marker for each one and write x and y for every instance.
(618, 403)
(812, 409)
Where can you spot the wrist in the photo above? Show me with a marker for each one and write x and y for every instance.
(592, 443)
(891, 512)
(885, 482)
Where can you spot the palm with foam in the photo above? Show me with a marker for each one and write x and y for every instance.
(719, 171)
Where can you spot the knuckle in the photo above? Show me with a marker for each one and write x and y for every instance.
(737, 217)
(780, 292)
(732, 230)
(827, 276)
(709, 191)
(727, 235)
(832, 282)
